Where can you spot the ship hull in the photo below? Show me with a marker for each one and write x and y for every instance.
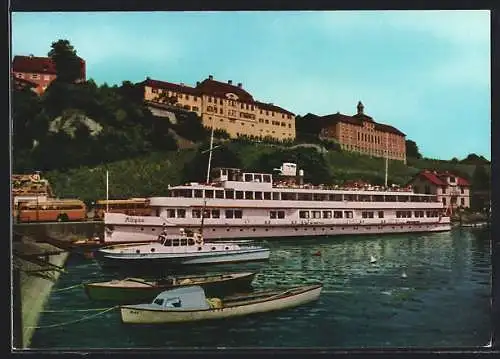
(130, 233)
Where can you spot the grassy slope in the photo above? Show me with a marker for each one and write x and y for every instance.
(151, 174)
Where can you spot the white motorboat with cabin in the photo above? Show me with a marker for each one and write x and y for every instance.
(236, 204)
(180, 250)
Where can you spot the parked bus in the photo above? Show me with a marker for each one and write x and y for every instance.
(52, 210)
(130, 206)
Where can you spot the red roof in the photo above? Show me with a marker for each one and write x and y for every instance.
(358, 120)
(171, 86)
(439, 178)
(215, 89)
(40, 65)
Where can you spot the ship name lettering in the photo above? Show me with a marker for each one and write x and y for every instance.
(134, 220)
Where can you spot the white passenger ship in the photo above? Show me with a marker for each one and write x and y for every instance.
(238, 204)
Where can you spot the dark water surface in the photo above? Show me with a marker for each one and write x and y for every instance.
(443, 301)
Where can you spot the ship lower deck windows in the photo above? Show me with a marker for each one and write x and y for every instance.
(181, 213)
(276, 196)
(239, 194)
(337, 214)
(431, 214)
(367, 214)
(215, 213)
(380, 214)
(267, 195)
(288, 196)
(170, 213)
(316, 214)
(229, 194)
(248, 195)
(209, 193)
(219, 194)
(419, 214)
(403, 214)
(196, 213)
(198, 193)
(327, 214)
(234, 213)
(258, 195)
(348, 214)
(304, 214)
(277, 214)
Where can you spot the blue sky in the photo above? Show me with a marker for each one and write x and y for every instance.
(425, 72)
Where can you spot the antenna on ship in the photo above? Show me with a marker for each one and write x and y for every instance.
(107, 191)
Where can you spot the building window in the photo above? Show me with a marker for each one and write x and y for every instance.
(462, 201)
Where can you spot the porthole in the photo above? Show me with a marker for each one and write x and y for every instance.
(267, 229)
(314, 228)
(331, 228)
(199, 248)
(142, 228)
(137, 251)
(226, 248)
(153, 229)
(323, 228)
(213, 229)
(305, 229)
(152, 249)
(342, 228)
(296, 229)
(254, 229)
(241, 229)
(227, 230)
(213, 248)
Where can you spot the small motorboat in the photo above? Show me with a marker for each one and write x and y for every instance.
(190, 304)
(137, 290)
(182, 250)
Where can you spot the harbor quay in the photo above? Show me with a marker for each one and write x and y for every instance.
(38, 259)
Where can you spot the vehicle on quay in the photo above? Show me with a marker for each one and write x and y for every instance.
(129, 207)
(240, 204)
(52, 210)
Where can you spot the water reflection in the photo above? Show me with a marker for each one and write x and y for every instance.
(441, 300)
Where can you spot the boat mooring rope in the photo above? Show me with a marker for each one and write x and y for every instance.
(73, 310)
(74, 321)
(68, 288)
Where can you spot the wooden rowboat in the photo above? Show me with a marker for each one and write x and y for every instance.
(137, 290)
(190, 304)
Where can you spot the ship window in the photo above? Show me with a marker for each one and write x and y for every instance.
(209, 193)
(229, 194)
(288, 196)
(272, 214)
(206, 213)
(215, 213)
(248, 195)
(364, 198)
(305, 196)
(181, 213)
(239, 194)
(184, 241)
(281, 214)
(191, 241)
(348, 214)
(229, 213)
(258, 178)
(258, 195)
(238, 213)
(248, 177)
(266, 178)
(157, 212)
(159, 301)
(337, 214)
(198, 193)
(276, 196)
(349, 197)
(390, 198)
(303, 214)
(175, 242)
(316, 214)
(170, 213)
(378, 198)
(267, 195)
(380, 214)
(327, 214)
(219, 194)
(196, 213)
(335, 197)
(167, 243)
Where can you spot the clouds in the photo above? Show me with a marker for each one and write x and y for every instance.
(408, 67)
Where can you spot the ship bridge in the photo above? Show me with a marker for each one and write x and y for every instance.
(237, 178)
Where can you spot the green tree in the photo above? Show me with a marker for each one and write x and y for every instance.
(63, 54)
(412, 149)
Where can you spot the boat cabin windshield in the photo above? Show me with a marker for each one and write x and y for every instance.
(178, 242)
